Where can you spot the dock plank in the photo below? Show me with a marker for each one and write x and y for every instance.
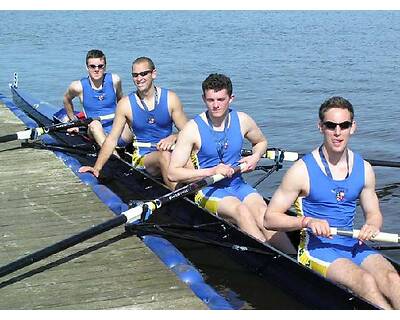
(42, 202)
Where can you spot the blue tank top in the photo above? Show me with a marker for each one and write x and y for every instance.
(220, 146)
(99, 102)
(333, 200)
(151, 126)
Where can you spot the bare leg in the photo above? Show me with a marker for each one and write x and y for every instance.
(386, 277)
(96, 131)
(358, 280)
(156, 163)
(233, 209)
(257, 207)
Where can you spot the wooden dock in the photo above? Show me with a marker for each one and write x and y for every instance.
(42, 202)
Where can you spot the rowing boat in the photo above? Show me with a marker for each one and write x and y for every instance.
(195, 224)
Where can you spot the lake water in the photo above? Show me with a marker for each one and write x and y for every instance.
(283, 65)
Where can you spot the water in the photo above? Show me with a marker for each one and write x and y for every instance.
(282, 64)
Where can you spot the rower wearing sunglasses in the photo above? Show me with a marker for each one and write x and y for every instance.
(324, 186)
(98, 93)
(150, 111)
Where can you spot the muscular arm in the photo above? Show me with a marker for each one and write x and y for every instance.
(187, 140)
(370, 204)
(177, 114)
(293, 185)
(74, 90)
(111, 140)
(252, 132)
(178, 117)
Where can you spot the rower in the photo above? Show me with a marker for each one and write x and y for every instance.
(327, 183)
(215, 137)
(99, 93)
(150, 112)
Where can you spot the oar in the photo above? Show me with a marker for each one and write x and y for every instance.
(381, 236)
(35, 132)
(271, 153)
(127, 216)
(147, 145)
(293, 156)
(275, 154)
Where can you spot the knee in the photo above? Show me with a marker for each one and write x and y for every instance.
(95, 125)
(368, 283)
(165, 157)
(243, 214)
(393, 277)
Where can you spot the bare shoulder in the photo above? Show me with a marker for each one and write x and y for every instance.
(115, 78)
(246, 121)
(244, 116)
(124, 102)
(369, 173)
(297, 177)
(190, 127)
(75, 88)
(173, 98)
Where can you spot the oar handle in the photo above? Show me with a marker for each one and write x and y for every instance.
(106, 117)
(147, 145)
(381, 236)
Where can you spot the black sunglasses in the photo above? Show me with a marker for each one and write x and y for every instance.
(332, 125)
(142, 74)
(93, 66)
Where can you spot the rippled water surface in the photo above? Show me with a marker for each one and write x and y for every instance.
(282, 64)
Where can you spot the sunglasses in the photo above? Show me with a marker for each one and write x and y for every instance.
(332, 125)
(93, 66)
(142, 74)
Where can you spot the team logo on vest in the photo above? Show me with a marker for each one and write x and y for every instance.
(340, 194)
(101, 97)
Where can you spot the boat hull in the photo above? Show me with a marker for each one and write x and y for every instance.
(132, 185)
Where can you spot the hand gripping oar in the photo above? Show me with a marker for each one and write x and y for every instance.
(127, 216)
(381, 236)
(35, 132)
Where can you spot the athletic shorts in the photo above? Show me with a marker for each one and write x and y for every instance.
(107, 126)
(318, 253)
(209, 197)
(138, 156)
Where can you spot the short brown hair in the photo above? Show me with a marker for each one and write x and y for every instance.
(335, 102)
(95, 53)
(217, 82)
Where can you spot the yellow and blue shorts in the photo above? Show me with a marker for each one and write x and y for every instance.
(318, 253)
(138, 156)
(209, 197)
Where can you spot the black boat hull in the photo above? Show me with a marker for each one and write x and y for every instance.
(306, 286)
